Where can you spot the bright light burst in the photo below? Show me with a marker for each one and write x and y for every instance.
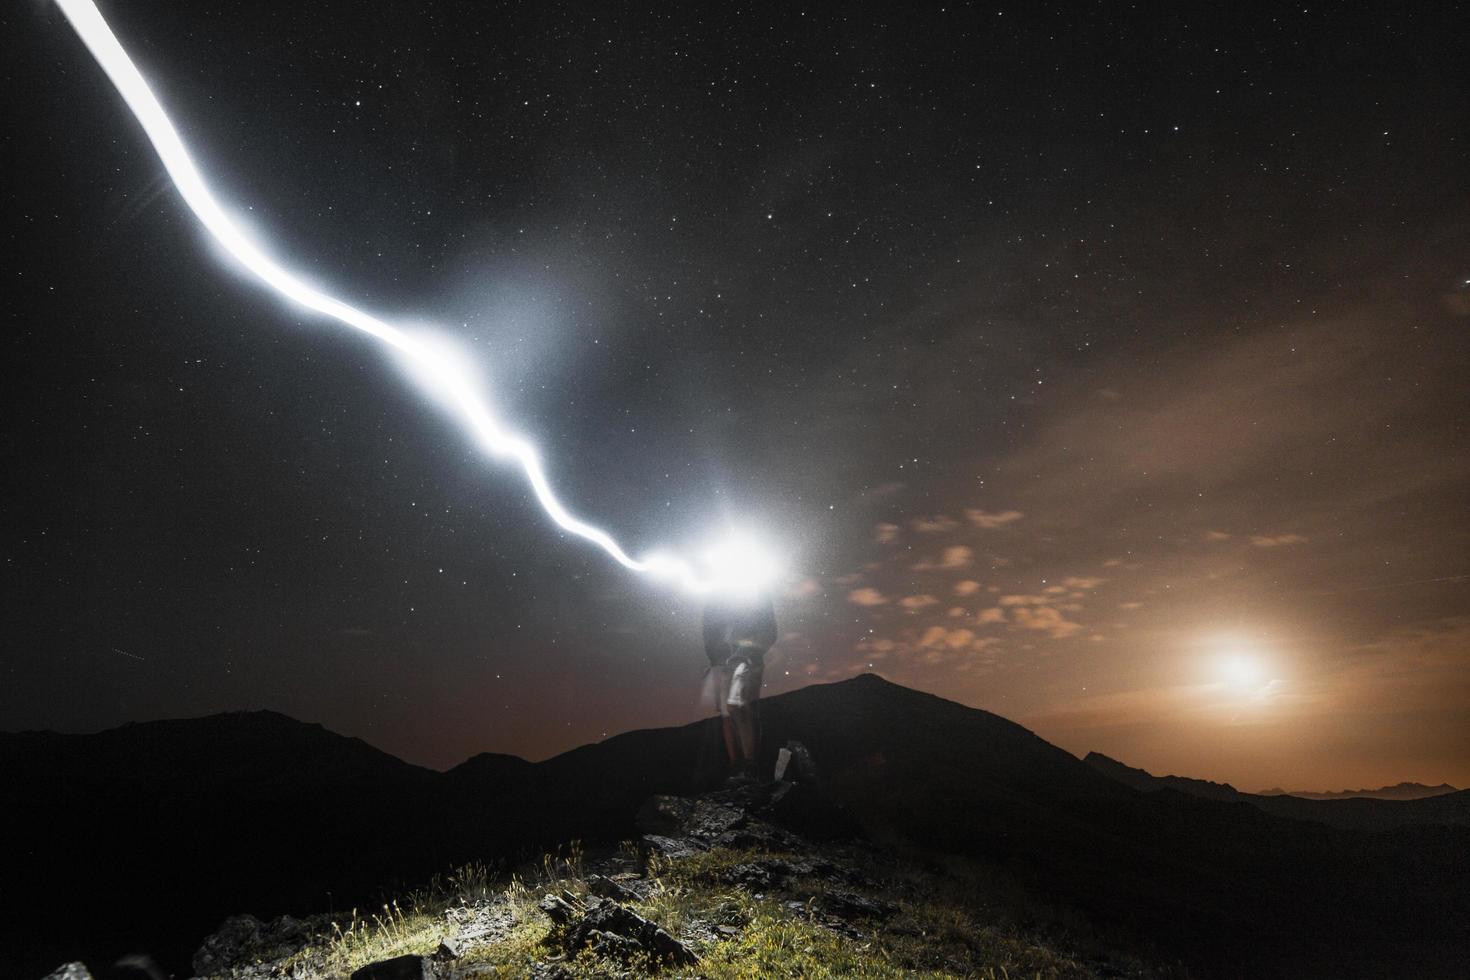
(740, 565)
(442, 373)
(1242, 670)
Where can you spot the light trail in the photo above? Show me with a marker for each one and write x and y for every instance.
(447, 377)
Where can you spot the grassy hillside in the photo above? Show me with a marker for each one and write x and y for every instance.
(845, 912)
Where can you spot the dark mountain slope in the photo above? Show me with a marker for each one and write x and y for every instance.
(179, 821)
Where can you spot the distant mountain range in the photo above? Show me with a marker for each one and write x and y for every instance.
(1399, 791)
(1351, 811)
(144, 837)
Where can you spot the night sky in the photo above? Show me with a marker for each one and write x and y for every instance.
(1102, 368)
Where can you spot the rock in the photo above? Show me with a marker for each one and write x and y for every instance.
(399, 968)
(450, 948)
(664, 816)
(806, 767)
(604, 887)
(606, 916)
(671, 847)
(558, 910)
(675, 816)
(803, 808)
(709, 818)
(245, 940)
(227, 945)
(69, 971)
(484, 921)
(800, 867)
(612, 945)
(753, 876)
(850, 905)
(759, 836)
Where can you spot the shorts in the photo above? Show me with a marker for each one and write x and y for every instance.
(738, 682)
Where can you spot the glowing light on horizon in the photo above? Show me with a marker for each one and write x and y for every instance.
(442, 373)
(1242, 670)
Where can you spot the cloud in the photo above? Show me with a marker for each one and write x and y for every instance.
(804, 589)
(1279, 541)
(934, 525)
(1025, 600)
(956, 556)
(1044, 619)
(937, 637)
(966, 587)
(875, 648)
(991, 521)
(1083, 583)
(994, 614)
(867, 596)
(914, 603)
(1216, 536)
(885, 533)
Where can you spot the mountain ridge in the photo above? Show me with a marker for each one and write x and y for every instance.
(260, 813)
(1345, 812)
(1398, 791)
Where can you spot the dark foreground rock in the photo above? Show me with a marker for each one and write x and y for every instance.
(614, 929)
(69, 971)
(781, 816)
(609, 928)
(243, 939)
(399, 968)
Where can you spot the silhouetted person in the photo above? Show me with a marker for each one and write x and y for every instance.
(737, 633)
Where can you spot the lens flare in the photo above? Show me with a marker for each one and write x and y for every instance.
(442, 373)
(740, 564)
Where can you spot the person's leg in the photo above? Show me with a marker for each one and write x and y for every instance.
(732, 740)
(747, 726)
(745, 691)
(727, 723)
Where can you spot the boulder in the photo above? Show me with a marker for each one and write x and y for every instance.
(557, 909)
(399, 968)
(709, 819)
(244, 939)
(227, 945)
(754, 877)
(636, 933)
(663, 816)
(701, 817)
(604, 887)
(805, 809)
(671, 847)
(850, 905)
(804, 766)
(69, 971)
